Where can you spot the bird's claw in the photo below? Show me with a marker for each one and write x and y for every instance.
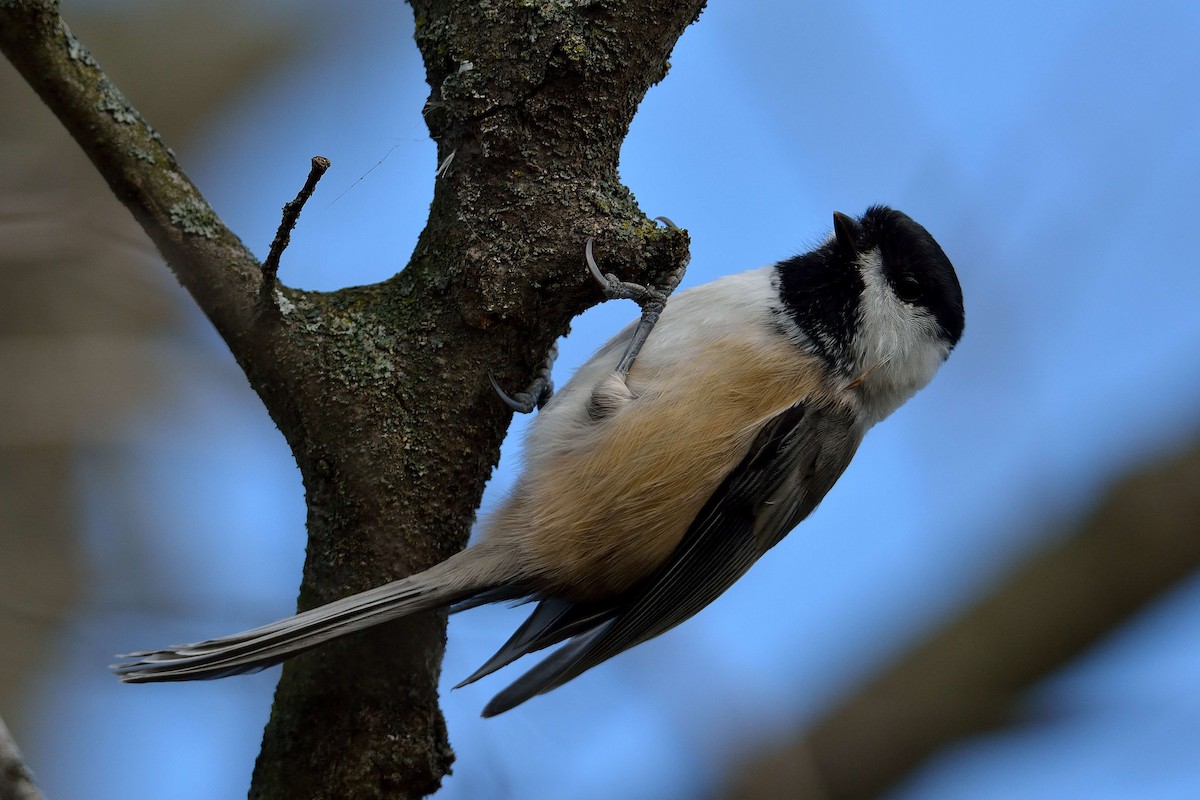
(538, 392)
(613, 287)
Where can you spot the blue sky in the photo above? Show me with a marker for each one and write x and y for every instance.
(1051, 149)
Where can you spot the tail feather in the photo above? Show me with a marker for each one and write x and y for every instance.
(475, 570)
(551, 622)
(552, 672)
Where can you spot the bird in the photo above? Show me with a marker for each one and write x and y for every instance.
(647, 492)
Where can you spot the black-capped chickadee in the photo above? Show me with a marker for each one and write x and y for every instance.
(645, 496)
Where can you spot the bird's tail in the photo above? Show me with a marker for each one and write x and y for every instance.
(473, 571)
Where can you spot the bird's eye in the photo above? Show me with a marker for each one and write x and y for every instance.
(909, 289)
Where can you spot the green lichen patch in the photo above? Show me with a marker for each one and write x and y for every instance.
(75, 49)
(196, 218)
(113, 103)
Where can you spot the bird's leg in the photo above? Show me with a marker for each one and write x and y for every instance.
(651, 299)
(537, 393)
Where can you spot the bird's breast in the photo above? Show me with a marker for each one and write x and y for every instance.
(610, 502)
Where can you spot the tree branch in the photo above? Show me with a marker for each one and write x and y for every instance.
(16, 782)
(291, 214)
(208, 259)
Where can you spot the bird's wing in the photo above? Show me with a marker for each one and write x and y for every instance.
(790, 466)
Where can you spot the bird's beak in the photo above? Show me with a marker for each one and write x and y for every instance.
(846, 230)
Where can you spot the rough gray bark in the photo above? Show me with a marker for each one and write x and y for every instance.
(382, 391)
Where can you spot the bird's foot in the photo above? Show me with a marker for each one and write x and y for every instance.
(651, 299)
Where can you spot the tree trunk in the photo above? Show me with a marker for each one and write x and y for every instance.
(382, 391)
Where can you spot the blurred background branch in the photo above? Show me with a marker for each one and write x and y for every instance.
(1141, 539)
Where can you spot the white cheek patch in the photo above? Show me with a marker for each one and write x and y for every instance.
(901, 344)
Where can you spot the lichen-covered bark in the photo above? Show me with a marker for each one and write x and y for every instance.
(382, 391)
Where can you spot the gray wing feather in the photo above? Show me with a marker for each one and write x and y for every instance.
(789, 468)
